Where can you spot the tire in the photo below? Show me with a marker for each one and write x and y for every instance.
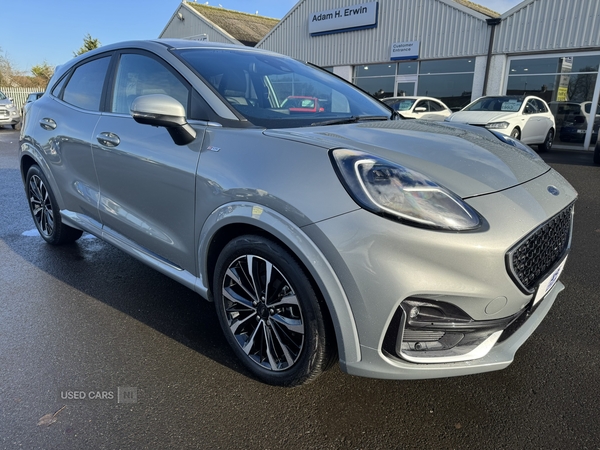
(44, 210)
(515, 134)
(283, 339)
(597, 152)
(547, 144)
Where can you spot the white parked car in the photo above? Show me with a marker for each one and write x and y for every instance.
(527, 119)
(427, 108)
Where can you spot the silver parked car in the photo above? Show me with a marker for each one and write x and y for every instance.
(403, 249)
(8, 112)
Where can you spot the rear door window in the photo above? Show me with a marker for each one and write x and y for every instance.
(84, 88)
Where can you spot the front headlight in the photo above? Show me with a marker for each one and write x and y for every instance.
(389, 189)
(497, 125)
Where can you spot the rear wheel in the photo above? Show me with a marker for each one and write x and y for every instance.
(270, 313)
(547, 144)
(44, 210)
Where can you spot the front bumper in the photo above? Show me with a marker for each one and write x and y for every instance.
(375, 364)
(382, 264)
(9, 117)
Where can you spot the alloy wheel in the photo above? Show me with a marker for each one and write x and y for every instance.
(263, 313)
(41, 206)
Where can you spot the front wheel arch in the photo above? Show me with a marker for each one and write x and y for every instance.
(259, 287)
(516, 133)
(548, 141)
(233, 219)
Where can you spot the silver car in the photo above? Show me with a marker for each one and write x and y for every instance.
(8, 112)
(403, 249)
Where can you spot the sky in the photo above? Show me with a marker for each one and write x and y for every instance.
(33, 32)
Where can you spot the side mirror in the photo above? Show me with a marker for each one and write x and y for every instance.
(160, 110)
(420, 109)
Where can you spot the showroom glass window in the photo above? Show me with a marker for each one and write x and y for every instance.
(139, 74)
(567, 84)
(450, 80)
(376, 79)
(84, 88)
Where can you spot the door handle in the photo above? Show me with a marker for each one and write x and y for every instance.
(47, 124)
(108, 139)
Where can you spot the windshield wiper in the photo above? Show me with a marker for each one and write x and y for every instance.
(351, 119)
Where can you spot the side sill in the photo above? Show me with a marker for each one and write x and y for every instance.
(147, 257)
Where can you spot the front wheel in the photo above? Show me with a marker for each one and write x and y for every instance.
(547, 144)
(270, 313)
(44, 210)
(515, 134)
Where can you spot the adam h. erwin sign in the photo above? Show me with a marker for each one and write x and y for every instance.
(350, 18)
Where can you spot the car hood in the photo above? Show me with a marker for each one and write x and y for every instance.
(468, 163)
(480, 117)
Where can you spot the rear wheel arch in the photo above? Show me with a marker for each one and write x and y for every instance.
(26, 162)
(32, 156)
(45, 211)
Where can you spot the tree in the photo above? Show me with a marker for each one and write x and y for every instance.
(7, 72)
(89, 43)
(43, 72)
(11, 77)
(581, 87)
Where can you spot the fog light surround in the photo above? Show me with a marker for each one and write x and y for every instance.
(434, 331)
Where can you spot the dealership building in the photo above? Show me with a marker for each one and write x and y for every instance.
(454, 50)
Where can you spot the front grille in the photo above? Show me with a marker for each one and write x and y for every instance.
(532, 258)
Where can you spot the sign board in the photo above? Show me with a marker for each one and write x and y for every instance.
(566, 64)
(405, 50)
(350, 18)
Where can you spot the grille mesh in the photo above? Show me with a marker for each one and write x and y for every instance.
(533, 257)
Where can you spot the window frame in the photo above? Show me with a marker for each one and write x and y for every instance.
(64, 81)
(113, 70)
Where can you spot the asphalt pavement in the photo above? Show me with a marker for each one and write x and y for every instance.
(99, 351)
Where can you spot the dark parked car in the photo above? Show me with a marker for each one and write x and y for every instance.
(406, 249)
(575, 121)
(31, 98)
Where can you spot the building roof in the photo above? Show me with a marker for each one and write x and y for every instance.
(480, 9)
(249, 29)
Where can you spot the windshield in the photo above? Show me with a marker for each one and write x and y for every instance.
(279, 92)
(505, 104)
(400, 105)
(2, 96)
